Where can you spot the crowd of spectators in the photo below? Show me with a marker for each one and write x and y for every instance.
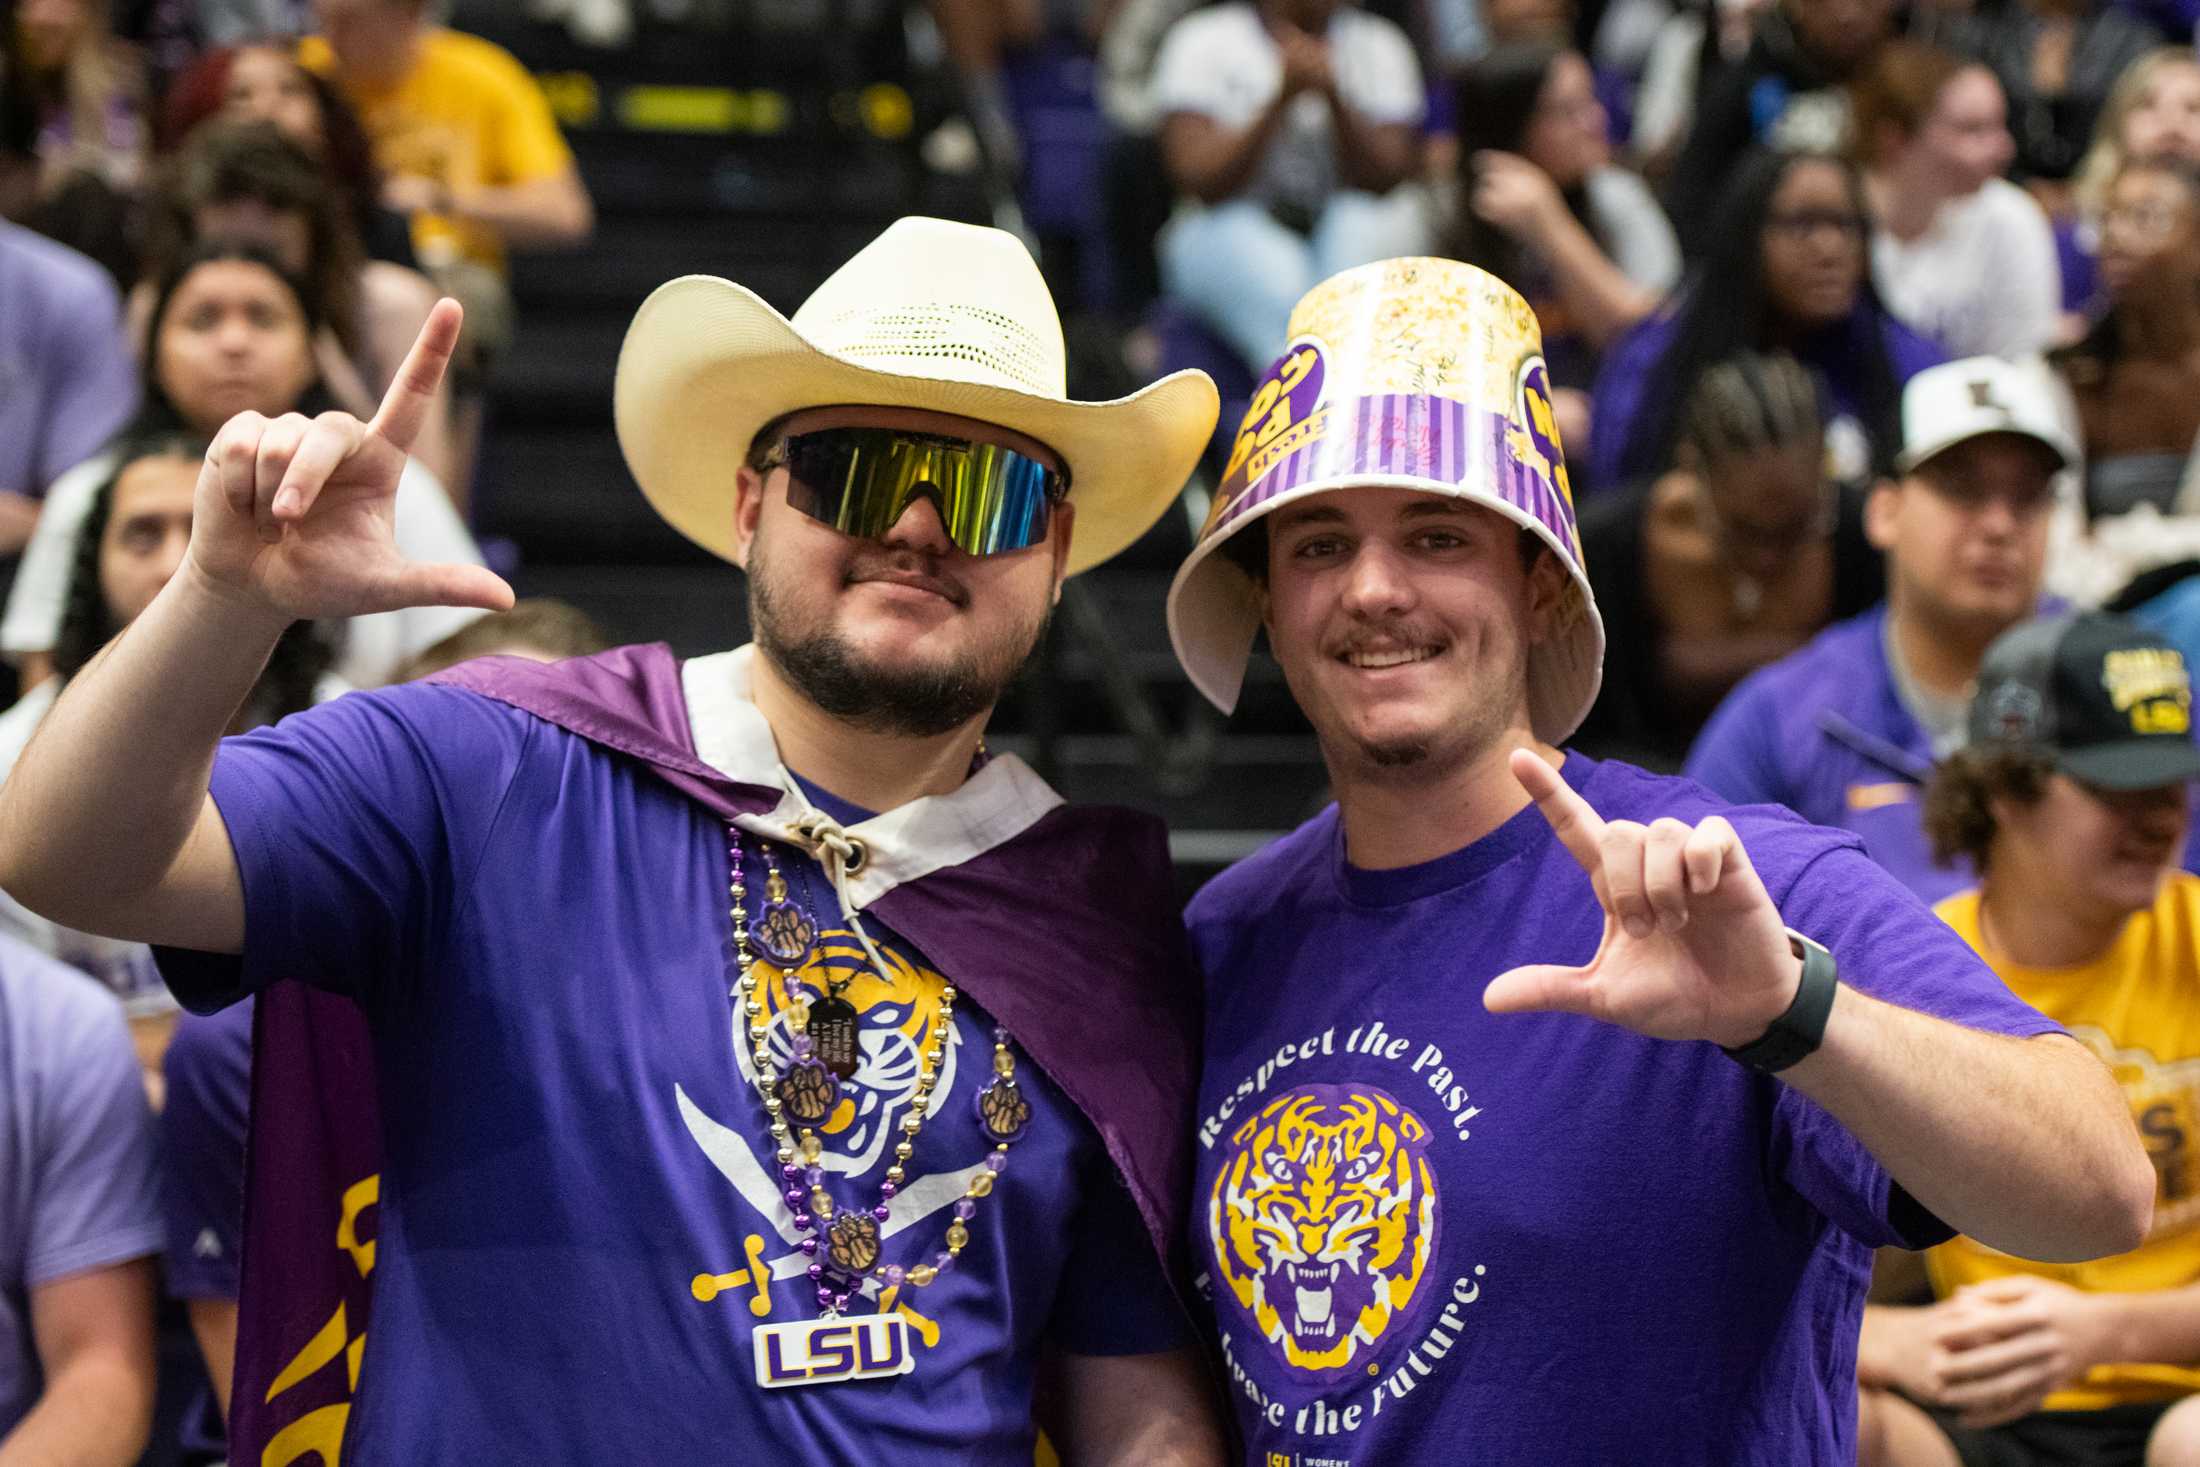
(1873, 329)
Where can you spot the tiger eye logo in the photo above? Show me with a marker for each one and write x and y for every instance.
(1323, 1220)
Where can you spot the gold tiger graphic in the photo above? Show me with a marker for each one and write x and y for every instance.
(1323, 1220)
(895, 1012)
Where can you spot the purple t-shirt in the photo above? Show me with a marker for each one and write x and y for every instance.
(1431, 1234)
(76, 1149)
(576, 1216)
(67, 378)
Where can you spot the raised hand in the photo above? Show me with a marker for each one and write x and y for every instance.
(294, 515)
(1693, 947)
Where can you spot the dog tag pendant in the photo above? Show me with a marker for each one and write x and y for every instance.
(832, 1034)
(810, 1352)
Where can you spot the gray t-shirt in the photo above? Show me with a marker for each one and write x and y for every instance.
(1222, 63)
(77, 1187)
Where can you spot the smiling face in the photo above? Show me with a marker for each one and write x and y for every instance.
(1965, 139)
(1403, 622)
(1813, 245)
(905, 633)
(2106, 852)
(1565, 135)
(2164, 121)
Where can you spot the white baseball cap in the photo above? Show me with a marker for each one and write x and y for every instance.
(1957, 401)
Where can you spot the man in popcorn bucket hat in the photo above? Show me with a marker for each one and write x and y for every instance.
(781, 1073)
(1430, 1225)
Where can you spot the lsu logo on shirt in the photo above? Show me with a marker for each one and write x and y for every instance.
(1323, 1220)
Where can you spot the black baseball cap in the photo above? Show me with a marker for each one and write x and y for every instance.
(2107, 700)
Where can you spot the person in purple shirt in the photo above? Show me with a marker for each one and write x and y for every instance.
(1551, 1109)
(67, 380)
(762, 1067)
(78, 1229)
(1787, 268)
(1845, 731)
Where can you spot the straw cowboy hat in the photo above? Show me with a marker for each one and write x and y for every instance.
(951, 317)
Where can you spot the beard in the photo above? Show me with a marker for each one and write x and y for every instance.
(1436, 754)
(904, 698)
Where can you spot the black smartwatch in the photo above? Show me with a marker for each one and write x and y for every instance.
(1796, 1034)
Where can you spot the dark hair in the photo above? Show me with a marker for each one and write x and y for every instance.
(1750, 402)
(1723, 310)
(201, 90)
(1958, 813)
(301, 658)
(158, 411)
(257, 161)
(2088, 361)
(538, 623)
(1495, 99)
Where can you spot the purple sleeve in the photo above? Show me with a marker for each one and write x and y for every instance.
(354, 825)
(202, 1136)
(95, 383)
(1618, 398)
(1888, 944)
(1736, 754)
(92, 1190)
(1114, 1298)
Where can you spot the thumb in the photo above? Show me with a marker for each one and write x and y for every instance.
(452, 585)
(1539, 988)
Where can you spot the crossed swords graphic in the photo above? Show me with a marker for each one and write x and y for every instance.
(738, 1164)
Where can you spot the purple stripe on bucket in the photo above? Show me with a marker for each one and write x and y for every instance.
(1419, 436)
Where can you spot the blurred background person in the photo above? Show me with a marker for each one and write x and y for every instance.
(66, 378)
(2070, 802)
(1541, 205)
(1290, 130)
(2153, 111)
(249, 180)
(78, 1222)
(1788, 92)
(1845, 732)
(264, 81)
(1695, 39)
(2135, 377)
(1961, 254)
(1733, 558)
(2058, 61)
(230, 330)
(85, 95)
(1788, 269)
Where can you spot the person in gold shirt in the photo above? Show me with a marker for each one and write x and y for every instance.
(2071, 800)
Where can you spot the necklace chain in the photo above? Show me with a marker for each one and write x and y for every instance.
(853, 1238)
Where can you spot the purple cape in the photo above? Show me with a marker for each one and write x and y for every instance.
(1068, 934)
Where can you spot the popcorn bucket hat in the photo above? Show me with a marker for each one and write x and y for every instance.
(1413, 374)
(951, 317)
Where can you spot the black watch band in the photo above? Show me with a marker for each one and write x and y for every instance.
(1796, 1034)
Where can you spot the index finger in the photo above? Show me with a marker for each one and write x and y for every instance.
(405, 407)
(1578, 828)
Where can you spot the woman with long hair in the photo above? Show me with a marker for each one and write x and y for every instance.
(230, 331)
(251, 180)
(82, 91)
(2152, 112)
(2136, 376)
(1543, 207)
(1788, 269)
(261, 81)
(1963, 255)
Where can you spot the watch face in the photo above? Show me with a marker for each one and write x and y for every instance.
(1796, 1034)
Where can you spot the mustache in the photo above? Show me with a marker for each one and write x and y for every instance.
(906, 568)
(1387, 637)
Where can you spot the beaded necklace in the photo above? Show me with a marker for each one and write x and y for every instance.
(808, 1090)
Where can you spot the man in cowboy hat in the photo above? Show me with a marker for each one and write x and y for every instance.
(1473, 1174)
(761, 1065)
